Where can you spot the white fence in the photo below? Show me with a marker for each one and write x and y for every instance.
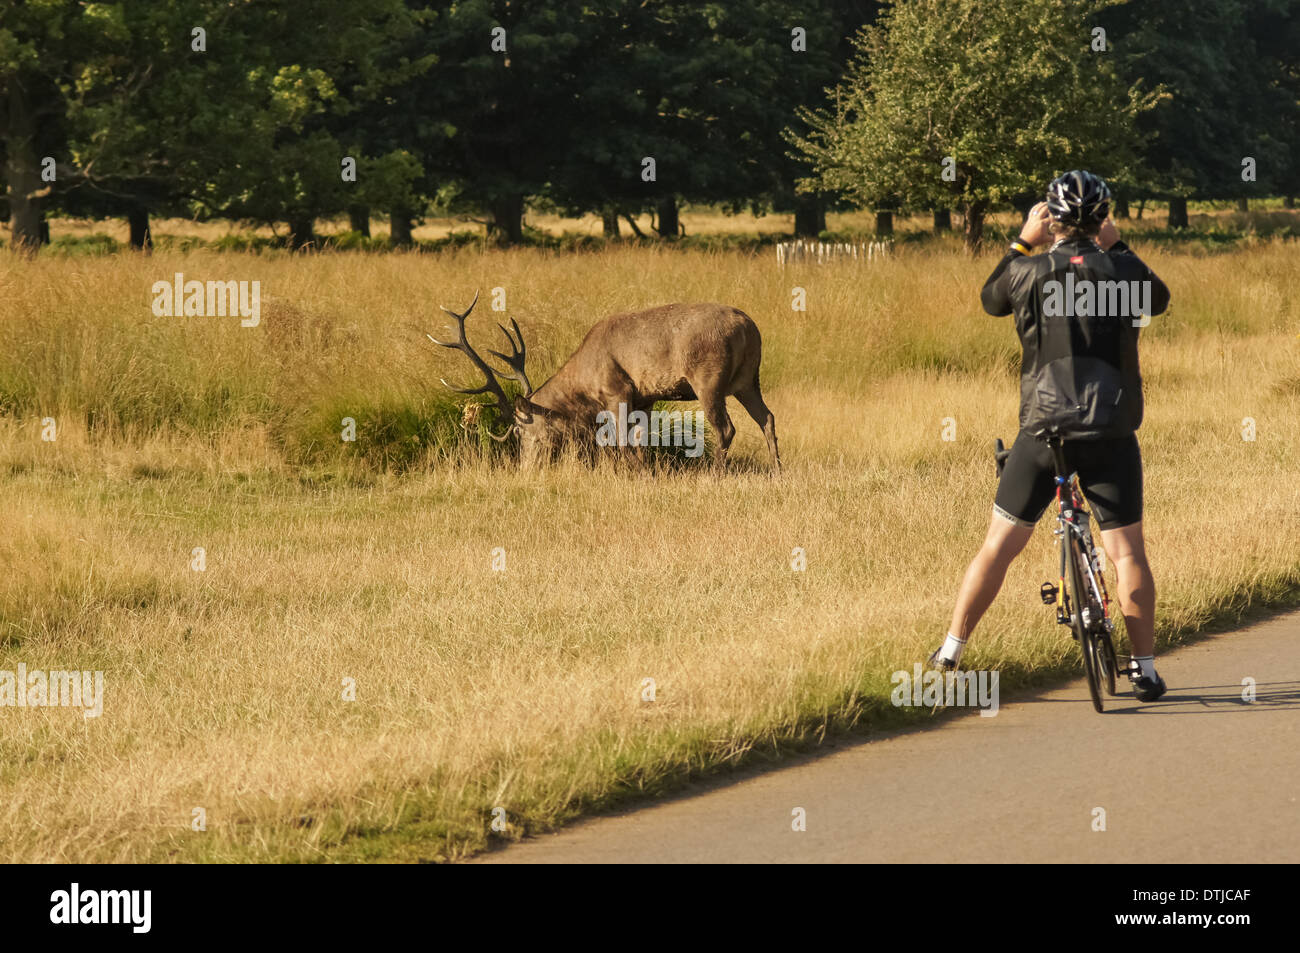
(822, 252)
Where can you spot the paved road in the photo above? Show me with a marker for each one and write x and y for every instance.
(1200, 776)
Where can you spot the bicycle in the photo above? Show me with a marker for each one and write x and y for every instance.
(1083, 605)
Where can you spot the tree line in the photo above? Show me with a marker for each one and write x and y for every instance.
(290, 111)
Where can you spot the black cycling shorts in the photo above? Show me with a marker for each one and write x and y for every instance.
(1110, 473)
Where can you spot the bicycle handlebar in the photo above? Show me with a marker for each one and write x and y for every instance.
(1053, 441)
(1000, 455)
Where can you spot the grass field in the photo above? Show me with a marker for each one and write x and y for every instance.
(477, 689)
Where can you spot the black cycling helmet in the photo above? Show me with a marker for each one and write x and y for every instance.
(1078, 198)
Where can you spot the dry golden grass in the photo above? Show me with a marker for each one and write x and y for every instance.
(521, 689)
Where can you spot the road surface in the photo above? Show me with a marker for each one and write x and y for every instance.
(1200, 776)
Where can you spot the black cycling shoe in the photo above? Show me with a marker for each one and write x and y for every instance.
(1148, 689)
(940, 664)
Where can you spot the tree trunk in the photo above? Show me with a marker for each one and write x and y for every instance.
(137, 218)
(1288, 201)
(22, 173)
(1243, 205)
(1178, 213)
(636, 230)
(399, 228)
(1121, 208)
(359, 219)
(1142, 207)
(974, 213)
(669, 222)
(884, 224)
(942, 220)
(1024, 204)
(809, 216)
(301, 232)
(508, 219)
(609, 223)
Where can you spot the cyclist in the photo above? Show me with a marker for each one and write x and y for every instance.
(1079, 377)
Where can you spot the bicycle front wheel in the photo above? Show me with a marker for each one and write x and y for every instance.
(1079, 599)
(1109, 664)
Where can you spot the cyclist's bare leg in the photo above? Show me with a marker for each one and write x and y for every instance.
(984, 576)
(1137, 589)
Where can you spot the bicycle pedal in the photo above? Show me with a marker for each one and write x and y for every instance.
(1048, 593)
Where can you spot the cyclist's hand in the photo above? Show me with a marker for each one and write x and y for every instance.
(1108, 235)
(1034, 231)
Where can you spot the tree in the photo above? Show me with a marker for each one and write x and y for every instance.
(49, 53)
(678, 101)
(504, 102)
(272, 146)
(805, 79)
(724, 83)
(201, 106)
(935, 113)
(1229, 69)
(394, 119)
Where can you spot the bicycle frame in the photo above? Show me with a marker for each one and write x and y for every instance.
(1074, 520)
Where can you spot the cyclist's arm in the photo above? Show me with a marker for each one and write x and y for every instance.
(1159, 291)
(996, 294)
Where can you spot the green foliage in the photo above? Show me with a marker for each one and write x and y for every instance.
(1229, 67)
(390, 434)
(964, 102)
(256, 125)
(243, 128)
(96, 244)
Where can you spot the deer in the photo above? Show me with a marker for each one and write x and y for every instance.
(675, 352)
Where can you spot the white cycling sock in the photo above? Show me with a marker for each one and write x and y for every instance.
(1148, 665)
(952, 648)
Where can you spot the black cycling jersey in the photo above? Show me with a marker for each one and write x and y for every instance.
(1076, 308)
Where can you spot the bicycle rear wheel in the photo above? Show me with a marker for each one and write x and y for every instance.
(1079, 599)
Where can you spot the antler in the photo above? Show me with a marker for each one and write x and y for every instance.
(491, 385)
(517, 356)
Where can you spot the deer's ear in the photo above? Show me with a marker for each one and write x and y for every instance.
(524, 410)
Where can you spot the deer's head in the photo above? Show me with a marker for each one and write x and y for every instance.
(542, 432)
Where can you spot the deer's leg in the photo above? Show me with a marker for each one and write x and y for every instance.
(714, 403)
(618, 407)
(620, 402)
(618, 398)
(642, 431)
(636, 436)
(751, 398)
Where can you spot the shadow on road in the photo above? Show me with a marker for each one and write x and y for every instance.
(1220, 699)
(1209, 699)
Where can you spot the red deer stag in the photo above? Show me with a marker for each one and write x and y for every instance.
(673, 352)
